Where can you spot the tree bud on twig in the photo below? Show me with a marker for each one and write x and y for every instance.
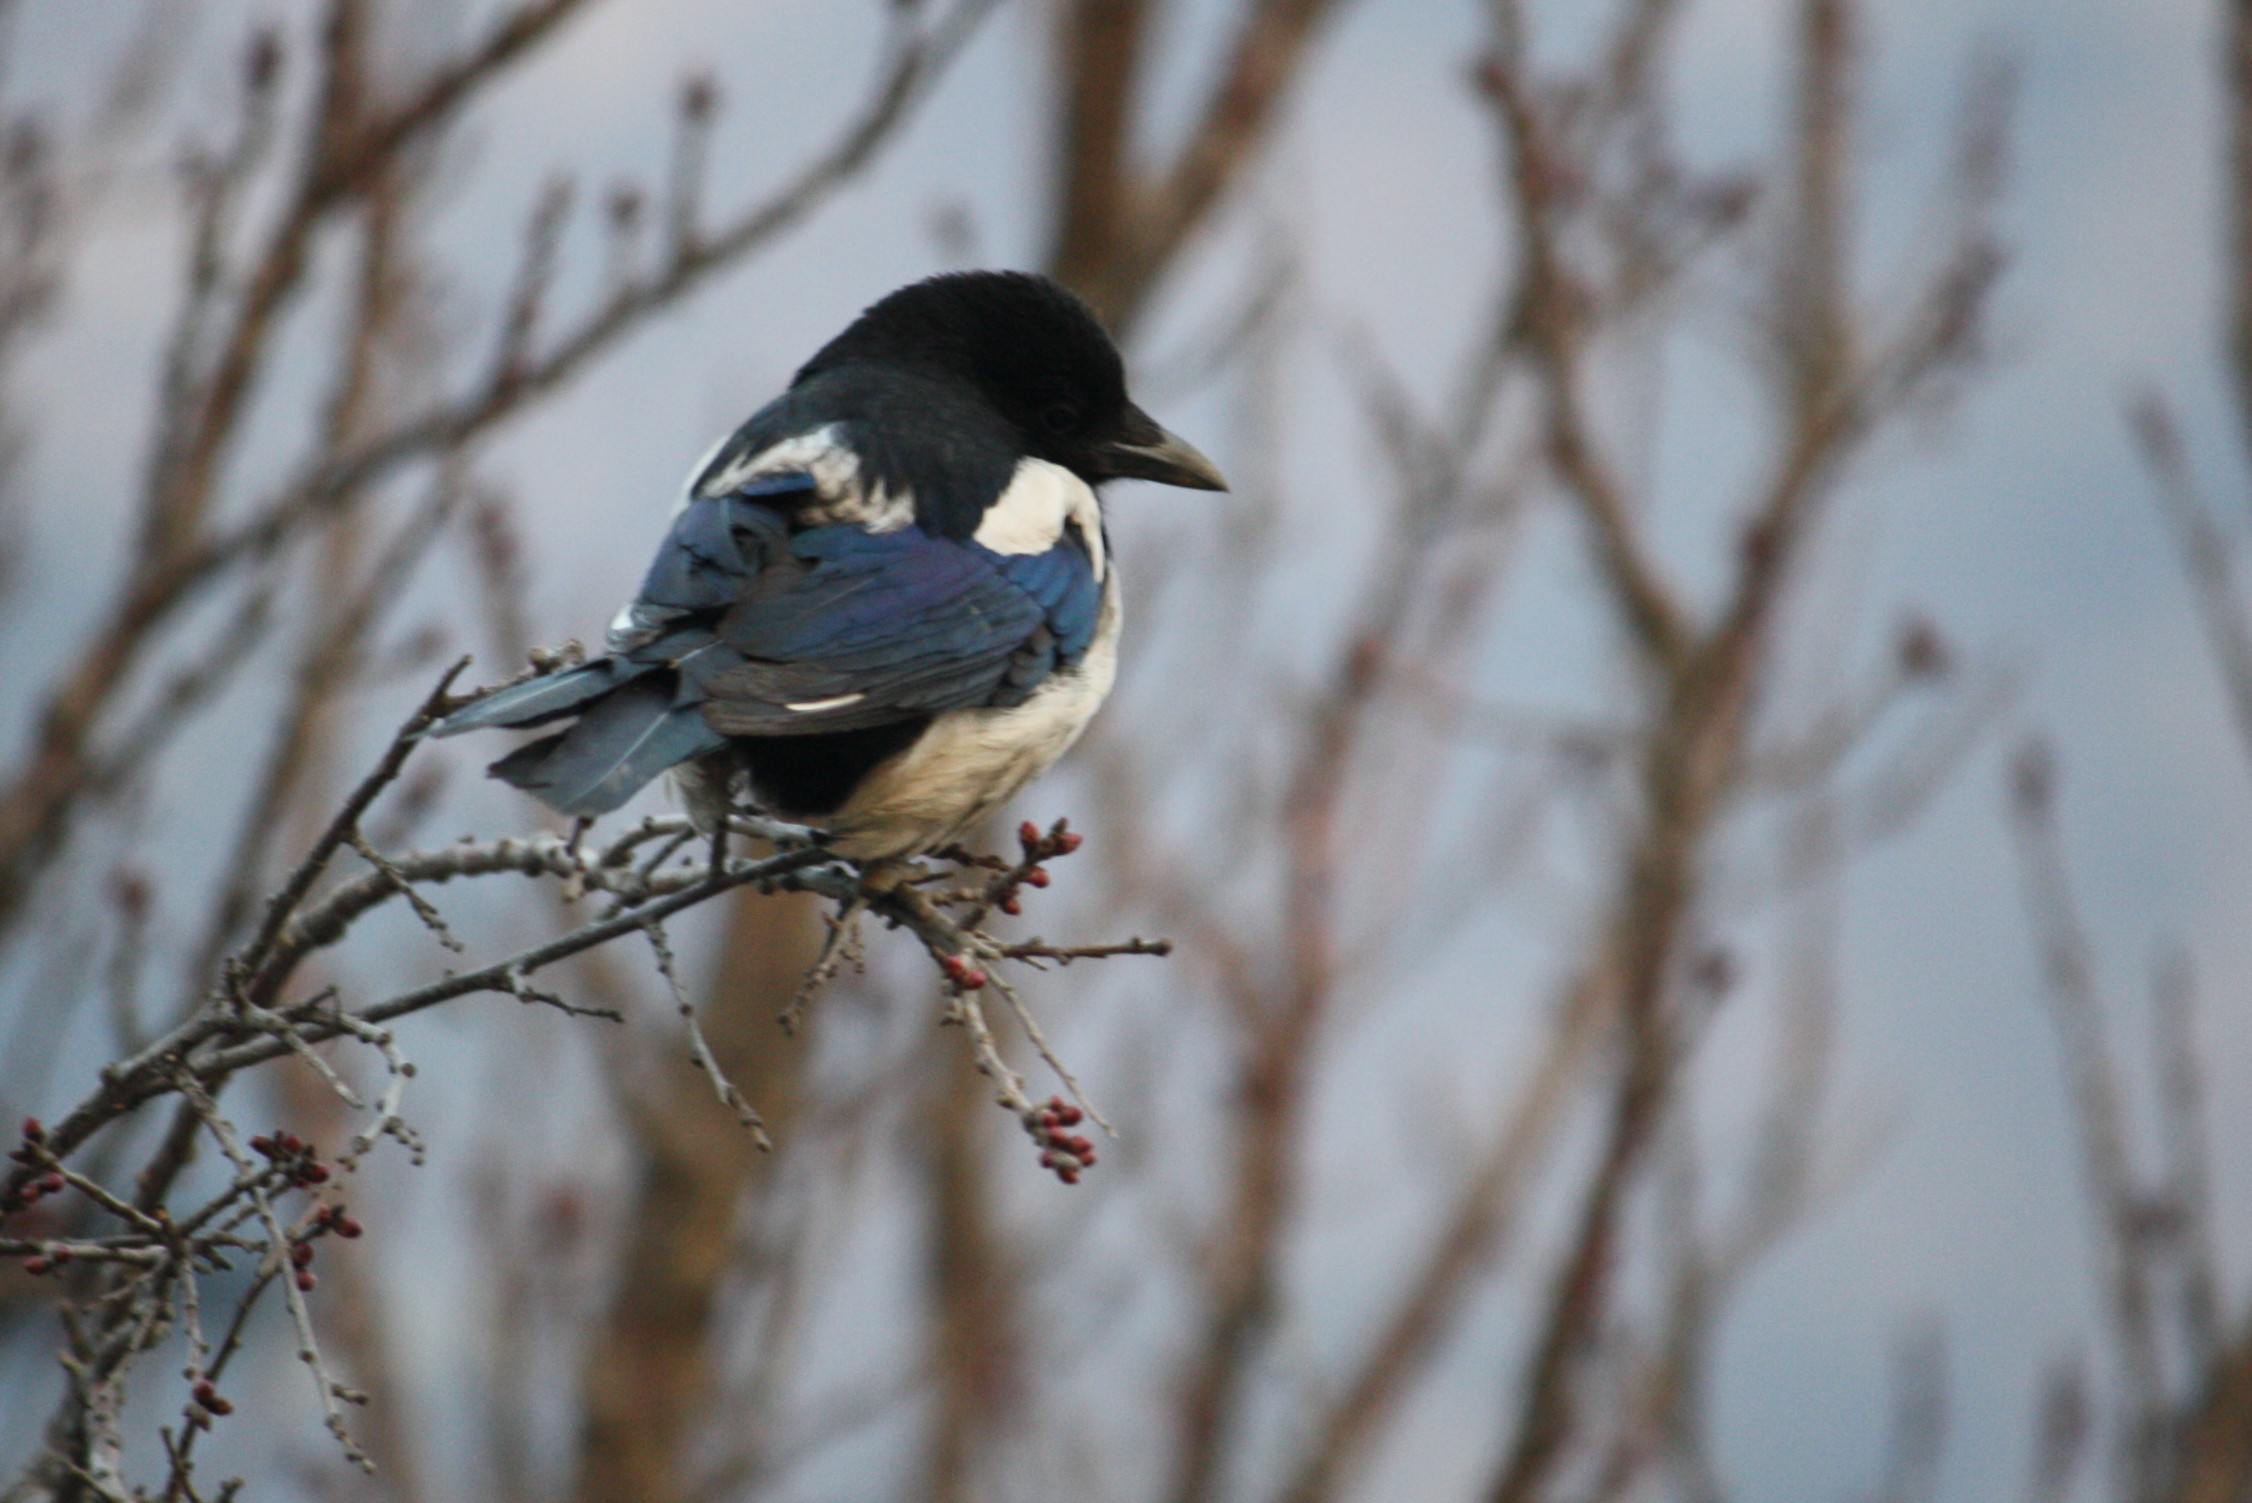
(262, 63)
(963, 974)
(699, 98)
(1923, 652)
(2033, 778)
(129, 890)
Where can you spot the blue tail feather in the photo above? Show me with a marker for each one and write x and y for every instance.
(537, 700)
(619, 744)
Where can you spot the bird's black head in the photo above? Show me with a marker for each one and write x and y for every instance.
(1038, 356)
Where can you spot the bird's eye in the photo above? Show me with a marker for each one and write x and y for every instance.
(1061, 418)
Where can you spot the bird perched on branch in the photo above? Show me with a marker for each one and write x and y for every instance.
(887, 601)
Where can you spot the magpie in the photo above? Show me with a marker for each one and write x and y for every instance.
(887, 601)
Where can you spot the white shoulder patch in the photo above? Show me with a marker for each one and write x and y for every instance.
(1042, 500)
(835, 468)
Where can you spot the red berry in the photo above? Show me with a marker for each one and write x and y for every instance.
(1028, 833)
(32, 1131)
(218, 1405)
(35, 1266)
(313, 1174)
(1067, 842)
(1010, 905)
(1038, 876)
(204, 1392)
(51, 1183)
(306, 1279)
(263, 1144)
(1068, 1176)
(347, 1228)
(301, 1254)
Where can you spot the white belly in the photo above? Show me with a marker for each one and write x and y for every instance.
(971, 762)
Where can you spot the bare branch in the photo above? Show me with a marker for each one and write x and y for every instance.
(2113, 1188)
(2206, 555)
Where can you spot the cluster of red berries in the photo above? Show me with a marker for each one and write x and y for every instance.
(1038, 846)
(1058, 840)
(31, 1153)
(1064, 1152)
(296, 1158)
(206, 1404)
(326, 1219)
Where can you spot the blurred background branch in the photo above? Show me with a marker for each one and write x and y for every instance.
(1544, 767)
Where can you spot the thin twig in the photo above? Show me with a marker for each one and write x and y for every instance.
(699, 1048)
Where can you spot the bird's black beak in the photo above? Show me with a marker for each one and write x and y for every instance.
(1144, 451)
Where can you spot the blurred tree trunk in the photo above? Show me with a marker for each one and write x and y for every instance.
(2238, 201)
(648, 1369)
(1119, 224)
(2216, 1434)
(976, 1354)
